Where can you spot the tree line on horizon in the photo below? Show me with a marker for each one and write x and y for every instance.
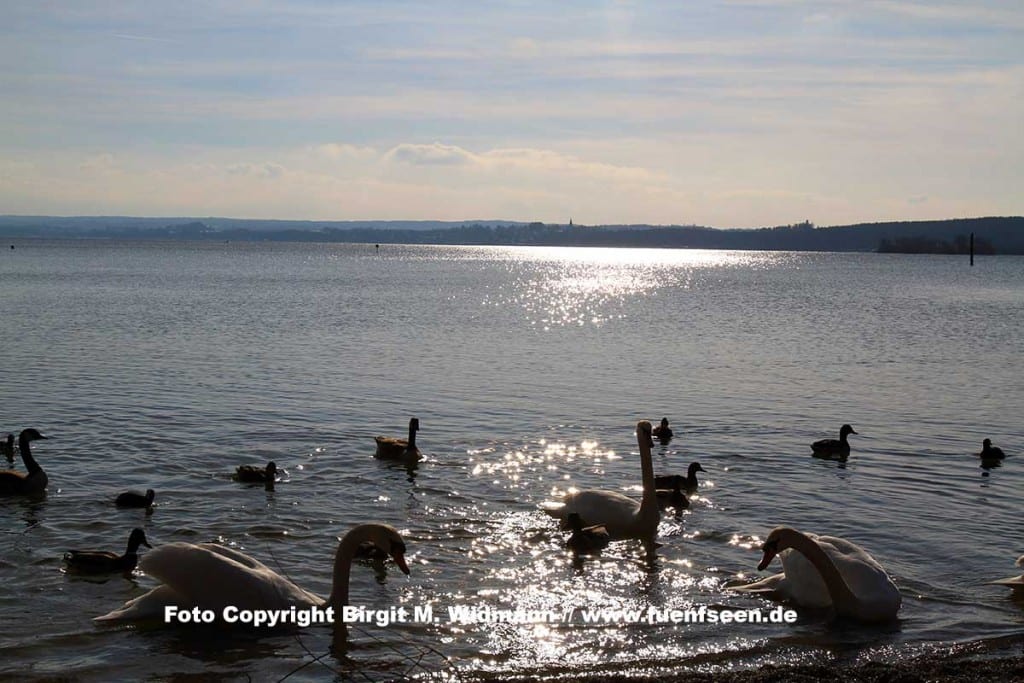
(1003, 235)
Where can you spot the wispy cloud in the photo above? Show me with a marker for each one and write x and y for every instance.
(743, 112)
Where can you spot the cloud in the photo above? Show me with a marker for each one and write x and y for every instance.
(343, 151)
(268, 170)
(434, 154)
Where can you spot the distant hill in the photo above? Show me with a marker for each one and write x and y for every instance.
(1003, 235)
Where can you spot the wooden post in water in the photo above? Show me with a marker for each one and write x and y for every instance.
(972, 250)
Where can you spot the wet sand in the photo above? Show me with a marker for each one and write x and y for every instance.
(1007, 665)
(913, 671)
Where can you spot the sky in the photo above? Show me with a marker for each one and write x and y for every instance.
(737, 113)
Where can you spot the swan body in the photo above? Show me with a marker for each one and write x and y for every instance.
(1014, 582)
(585, 540)
(34, 480)
(7, 447)
(104, 562)
(988, 451)
(826, 571)
(134, 499)
(251, 474)
(622, 516)
(840, 446)
(211, 576)
(688, 483)
(389, 448)
(663, 431)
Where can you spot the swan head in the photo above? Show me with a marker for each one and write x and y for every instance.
(773, 545)
(386, 538)
(643, 432)
(137, 538)
(31, 434)
(846, 429)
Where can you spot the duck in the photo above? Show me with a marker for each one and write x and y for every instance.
(840, 446)
(34, 480)
(134, 499)
(212, 576)
(1016, 583)
(621, 516)
(251, 474)
(105, 562)
(7, 446)
(389, 448)
(673, 497)
(687, 483)
(827, 572)
(585, 540)
(990, 452)
(663, 431)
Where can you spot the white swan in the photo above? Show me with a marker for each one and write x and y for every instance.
(622, 516)
(211, 576)
(825, 571)
(1014, 582)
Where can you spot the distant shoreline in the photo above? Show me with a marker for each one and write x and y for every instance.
(999, 235)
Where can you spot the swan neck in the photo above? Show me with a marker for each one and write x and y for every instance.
(26, 455)
(649, 501)
(342, 569)
(842, 597)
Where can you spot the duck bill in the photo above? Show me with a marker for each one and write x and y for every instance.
(399, 559)
(766, 560)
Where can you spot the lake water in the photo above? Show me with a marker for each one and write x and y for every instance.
(167, 365)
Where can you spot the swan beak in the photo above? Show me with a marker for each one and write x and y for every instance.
(766, 560)
(399, 559)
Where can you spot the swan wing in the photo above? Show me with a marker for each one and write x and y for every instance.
(1013, 582)
(775, 587)
(147, 606)
(212, 577)
(804, 583)
(864, 575)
